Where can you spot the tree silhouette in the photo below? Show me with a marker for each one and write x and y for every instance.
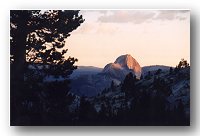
(158, 71)
(180, 114)
(87, 112)
(148, 76)
(129, 84)
(103, 113)
(141, 77)
(183, 64)
(37, 39)
(112, 86)
(170, 70)
(161, 86)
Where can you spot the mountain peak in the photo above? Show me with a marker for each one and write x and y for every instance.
(126, 60)
(126, 63)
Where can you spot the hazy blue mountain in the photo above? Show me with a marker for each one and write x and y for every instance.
(85, 70)
(154, 68)
(90, 80)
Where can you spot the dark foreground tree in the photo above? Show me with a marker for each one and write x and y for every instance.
(129, 84)
(87, 113)
(37, 40)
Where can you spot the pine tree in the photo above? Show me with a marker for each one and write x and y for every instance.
(158, 71)
(129, 84)
(180, 114)
(183, 64)
(37, 39)
(102, 115)
(87, 112)
(112, 86)
(170, 70)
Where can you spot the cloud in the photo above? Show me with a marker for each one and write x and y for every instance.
(91, 11)
(109, 21)
(126, 16)
(171, 15)
(141, 16)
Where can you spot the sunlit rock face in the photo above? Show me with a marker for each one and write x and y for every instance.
(122, 66)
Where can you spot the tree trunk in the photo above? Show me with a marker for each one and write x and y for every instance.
(17, 72)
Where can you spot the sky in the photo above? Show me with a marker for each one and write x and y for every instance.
(152, 37)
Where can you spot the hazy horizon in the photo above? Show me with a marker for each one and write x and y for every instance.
(152, 37)
(116, 58)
